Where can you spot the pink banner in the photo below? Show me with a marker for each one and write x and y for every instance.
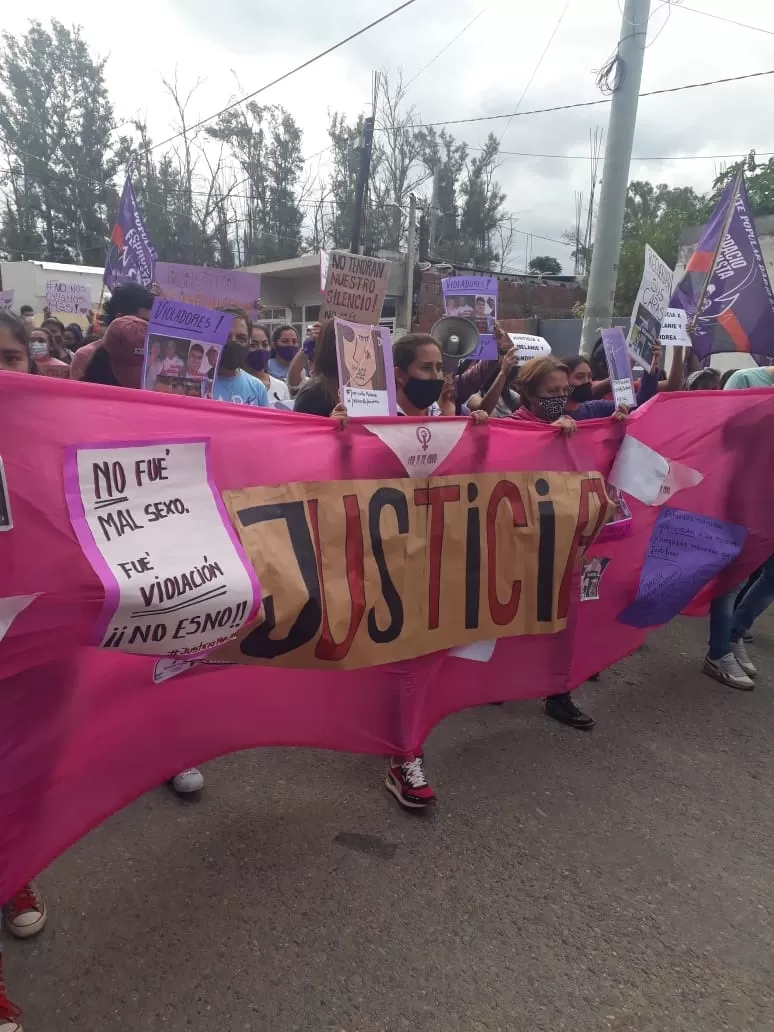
(86, 729)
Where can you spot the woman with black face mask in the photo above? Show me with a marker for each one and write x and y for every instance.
(421, 391)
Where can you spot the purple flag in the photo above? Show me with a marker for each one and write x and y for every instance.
(131, 256)
(737, 307)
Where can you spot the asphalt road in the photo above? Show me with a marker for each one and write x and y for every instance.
(617, 880)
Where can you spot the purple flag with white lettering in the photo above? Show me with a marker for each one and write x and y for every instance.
(131, 256)
(737, 310)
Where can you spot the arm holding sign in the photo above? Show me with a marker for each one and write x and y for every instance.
(508, 364)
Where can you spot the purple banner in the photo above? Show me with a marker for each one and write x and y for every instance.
(6, 300)
(183, 347)
(131, 255)
(619, 366)
(737, 310)
(210, 288)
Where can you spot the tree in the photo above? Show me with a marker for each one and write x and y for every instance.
(545, 265)
(654, 215)
(759, 180)
(55, 126)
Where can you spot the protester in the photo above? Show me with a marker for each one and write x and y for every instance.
(119, 361)
(25, 914)
(601, 377)
(581, 403)
(497, 397)
(56, 330)
(420, 388)
(733, 615)
(128, 299)
(319, 394)
(27, 314)
(232, 383)
(84, 355)
(726, 377)
(285, 348)
(703, 380)
(257, 363)
(42, 351)
(72, 337)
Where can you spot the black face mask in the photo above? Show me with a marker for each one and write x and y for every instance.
(581, 392)
(422, 393)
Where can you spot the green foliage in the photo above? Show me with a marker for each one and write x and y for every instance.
(545, 265)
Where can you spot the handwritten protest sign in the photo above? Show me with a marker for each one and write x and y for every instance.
(183, 347)
(366, 376)
(674, 329)
(528, 346)
(474, 298)
(309, 541)
(6, 300)
(619, 367)
(649, 308)
(355, 287)
(685, 551)
(67, 298)
(209, 288)
(176, 580)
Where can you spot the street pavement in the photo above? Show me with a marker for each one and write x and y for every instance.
(613, 880)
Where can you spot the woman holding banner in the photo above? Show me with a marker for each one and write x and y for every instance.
(25, 913)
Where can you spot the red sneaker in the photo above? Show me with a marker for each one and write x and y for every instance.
(9, 1013)
(25, 913)
(407, 782)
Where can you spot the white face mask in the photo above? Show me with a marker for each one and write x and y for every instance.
(38, 349)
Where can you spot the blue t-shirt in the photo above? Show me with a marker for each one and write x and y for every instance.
(241, 389)
(275, 369)
(760, 377)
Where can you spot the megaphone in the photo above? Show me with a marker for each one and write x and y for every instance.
(458, 338)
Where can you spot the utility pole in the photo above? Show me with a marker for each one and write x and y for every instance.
(615, 173)
(408, 295)
(365, 147)
(434, 213)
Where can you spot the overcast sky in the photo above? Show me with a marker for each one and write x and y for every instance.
(235, 46)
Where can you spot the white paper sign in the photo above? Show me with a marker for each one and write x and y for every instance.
(674, 329)
(176, 580)
(529, 346)
(67, 298)
(646, 475)
(649, 308)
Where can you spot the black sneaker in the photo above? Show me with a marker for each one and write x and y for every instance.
(562, 708)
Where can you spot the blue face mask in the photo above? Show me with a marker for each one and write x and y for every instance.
(551, 409)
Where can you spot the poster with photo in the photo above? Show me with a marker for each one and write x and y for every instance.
(183, 347)
(649, 308)
(619, 367)
(474, 298)
(366, 374)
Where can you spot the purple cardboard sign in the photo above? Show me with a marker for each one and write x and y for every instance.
(685, 552)
(6, 300)
(366, 373)
(619, 366)
(474, 298)
(182, 348)
(209, 288)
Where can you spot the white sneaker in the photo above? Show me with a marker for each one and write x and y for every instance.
(25, 914)
(728, 671)
(743, 658)
(188, 781)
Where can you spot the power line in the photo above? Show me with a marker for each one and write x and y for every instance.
(286, 75)
(669, 157)
(583, 103)
(728, 21)
(444, 49)
(536, 69)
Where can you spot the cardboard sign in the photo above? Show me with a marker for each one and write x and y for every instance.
(176, 581)
(366, 374)
(619, 367)
(376, 571)
(529, 346)
(355, 287)
(183, 347)
(649, 308)
(674, 329)
(209, 288)
(474, 298)
(67, 298)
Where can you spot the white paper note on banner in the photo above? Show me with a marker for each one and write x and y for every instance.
(10, 608)
(176, 580)
(674, 329)
(647, 476)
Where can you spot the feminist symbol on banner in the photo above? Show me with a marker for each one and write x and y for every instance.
(424, 436)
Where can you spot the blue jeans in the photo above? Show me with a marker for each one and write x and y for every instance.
(729, 624)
